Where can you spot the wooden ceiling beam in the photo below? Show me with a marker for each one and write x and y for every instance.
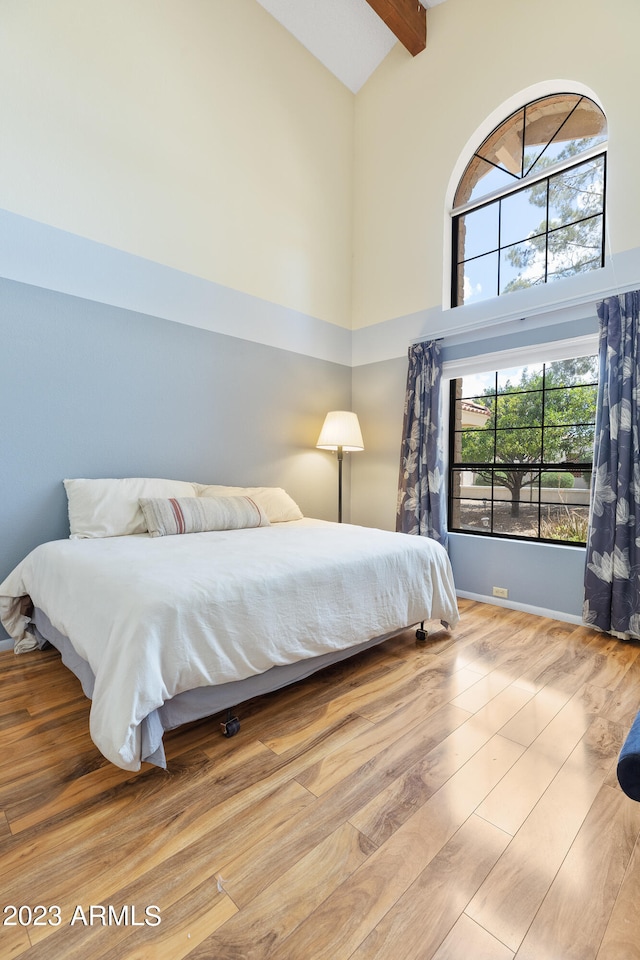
(407, 19)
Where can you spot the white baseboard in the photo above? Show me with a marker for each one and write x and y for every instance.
(524, 607)
(6, 645)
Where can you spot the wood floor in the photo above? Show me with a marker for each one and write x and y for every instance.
(454, 801)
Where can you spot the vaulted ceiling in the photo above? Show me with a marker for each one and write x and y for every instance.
(352, 37)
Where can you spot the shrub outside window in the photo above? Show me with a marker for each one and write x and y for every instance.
(530, 206)
(521, 451)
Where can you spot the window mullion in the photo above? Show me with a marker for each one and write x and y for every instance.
(499, 248)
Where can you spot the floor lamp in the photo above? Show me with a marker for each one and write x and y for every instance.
(340, 432)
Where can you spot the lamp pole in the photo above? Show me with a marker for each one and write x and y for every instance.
(340, 458)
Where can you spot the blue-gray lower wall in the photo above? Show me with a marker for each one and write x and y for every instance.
(543, 578)
(114, 366)
(92, 390)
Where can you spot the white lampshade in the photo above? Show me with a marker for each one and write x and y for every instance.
(340, 429)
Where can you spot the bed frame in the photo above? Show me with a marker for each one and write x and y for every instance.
(231, 724)
(204, 701)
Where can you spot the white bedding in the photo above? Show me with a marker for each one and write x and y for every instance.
(154, 617)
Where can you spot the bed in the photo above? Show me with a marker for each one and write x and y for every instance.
(162, 629)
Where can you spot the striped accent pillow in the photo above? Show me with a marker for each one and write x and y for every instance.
(165, 517)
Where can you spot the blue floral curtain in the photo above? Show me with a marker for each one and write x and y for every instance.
(612, 572)
(421, 495)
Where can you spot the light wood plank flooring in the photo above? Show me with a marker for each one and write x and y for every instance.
(455, 800)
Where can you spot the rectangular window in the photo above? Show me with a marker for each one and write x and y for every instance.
(521, 451)
(532, 235)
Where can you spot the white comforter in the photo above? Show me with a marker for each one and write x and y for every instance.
(157, 616)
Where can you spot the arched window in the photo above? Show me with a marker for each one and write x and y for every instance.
(530, 206)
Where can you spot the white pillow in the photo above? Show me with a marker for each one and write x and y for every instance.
(111, 508)
(274, 501)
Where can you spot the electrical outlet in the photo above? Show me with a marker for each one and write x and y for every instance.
(501, 592)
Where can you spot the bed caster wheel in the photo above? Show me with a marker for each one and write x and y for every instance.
(421, 635)
(230, 727)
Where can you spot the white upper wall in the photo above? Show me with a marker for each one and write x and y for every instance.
(203, 137)
(415, 117)
(199, 135)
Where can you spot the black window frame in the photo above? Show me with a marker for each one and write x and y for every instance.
(542, 466)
